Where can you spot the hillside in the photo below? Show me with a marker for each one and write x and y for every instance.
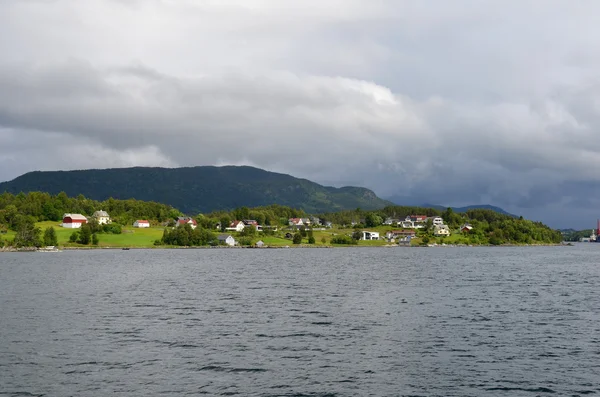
(472, 207)
(198, 189)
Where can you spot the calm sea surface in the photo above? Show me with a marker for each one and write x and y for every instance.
(302, 322)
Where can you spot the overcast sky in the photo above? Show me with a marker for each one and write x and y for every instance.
(446, 102)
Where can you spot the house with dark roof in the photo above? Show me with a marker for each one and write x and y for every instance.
(226, 239)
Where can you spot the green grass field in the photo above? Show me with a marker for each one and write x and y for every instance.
(144, 238)
(131, 237)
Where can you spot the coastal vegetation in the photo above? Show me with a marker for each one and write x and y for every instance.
(34, 220)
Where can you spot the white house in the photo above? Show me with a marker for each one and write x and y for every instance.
(141, 223)
(73, 221)
(236, 226)
(436, 220)
(366, 235)
(102, 217)
(226, 239)
(183, 220)
(296, 222)
(259, 244)
(441, 230)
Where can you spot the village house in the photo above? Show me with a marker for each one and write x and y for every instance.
(253, 223)
(73, 221)
(236, 226)
(226, 239)
(101, 217)
(400, 233)
(466, 228)
(367, 235)
(315, 221)
(141, 223)
(259, 244)
(297, 222)
(417, 218)
(413, 222)
(436, 220)
(186, 220)
(441, 231)
(306, 221)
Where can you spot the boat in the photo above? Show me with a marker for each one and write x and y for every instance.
(125, 249)
(49, 248)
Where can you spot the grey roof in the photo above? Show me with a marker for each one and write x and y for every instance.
(101, 213)
(223, 237)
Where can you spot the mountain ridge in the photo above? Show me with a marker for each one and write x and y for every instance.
(199, 189)
(469, 207)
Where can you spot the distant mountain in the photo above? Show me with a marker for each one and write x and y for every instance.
(199, 189)
(408, 201)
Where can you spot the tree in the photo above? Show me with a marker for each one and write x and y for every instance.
(428, 226)
(85, 234)
(50, 236)
(372, 220)
(74, 236)
(224, 222)
(28, 235)
(297, 238)
(95, 239)
(357, 235)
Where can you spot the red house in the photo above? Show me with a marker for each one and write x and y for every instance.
(73, 221)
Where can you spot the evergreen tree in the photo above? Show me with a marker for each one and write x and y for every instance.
(85, 235)
(95, 239)
(297, 238)
(50, 236)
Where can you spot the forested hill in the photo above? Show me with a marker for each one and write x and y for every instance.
(198, 189)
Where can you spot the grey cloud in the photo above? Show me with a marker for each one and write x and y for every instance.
(446, 102)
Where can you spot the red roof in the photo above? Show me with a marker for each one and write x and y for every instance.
(142, 221)
(188, 220)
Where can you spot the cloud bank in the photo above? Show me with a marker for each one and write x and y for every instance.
(454, 104)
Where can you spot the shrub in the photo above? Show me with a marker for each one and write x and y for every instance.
(311, 240)
(112, 228)
(297, 238)
(343, 240)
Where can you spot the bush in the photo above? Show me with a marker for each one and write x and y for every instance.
(311, 240)
(244, 240)
(323, 240)
(112, 228)
(297, 238)
(95, 240)
(157, 242)
(343, 240)
(74, 236)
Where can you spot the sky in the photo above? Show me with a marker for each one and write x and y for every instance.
(427, 101)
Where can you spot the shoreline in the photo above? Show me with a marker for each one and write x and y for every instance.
(60, 249)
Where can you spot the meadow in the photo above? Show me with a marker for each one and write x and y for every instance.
(144, 238)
